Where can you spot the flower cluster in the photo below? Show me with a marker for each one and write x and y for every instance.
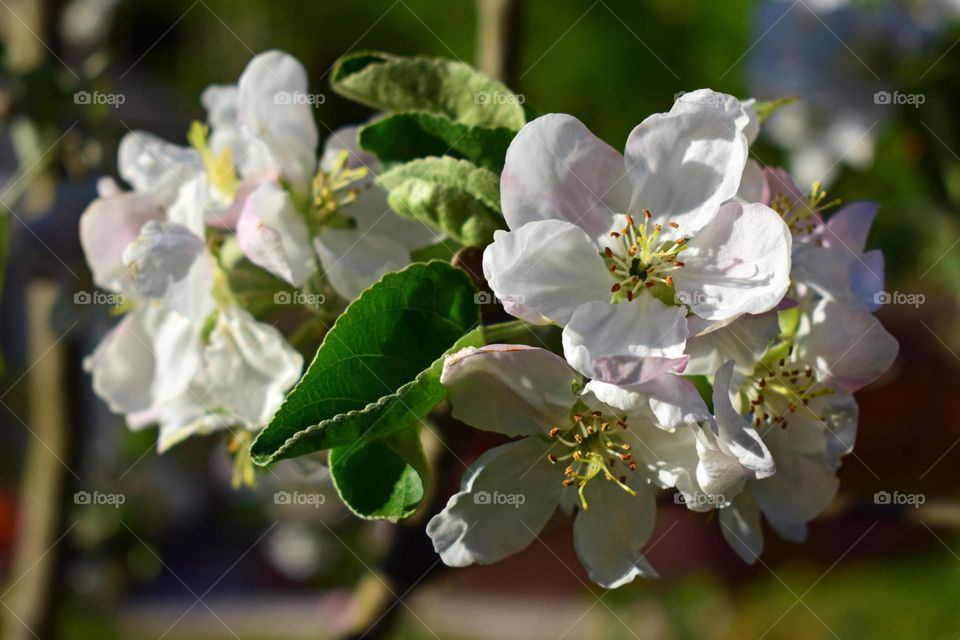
(716, 322)
(249, 187)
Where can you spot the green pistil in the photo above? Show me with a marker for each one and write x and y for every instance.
(641, 260)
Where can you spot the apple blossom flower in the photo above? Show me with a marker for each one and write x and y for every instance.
(608, 246)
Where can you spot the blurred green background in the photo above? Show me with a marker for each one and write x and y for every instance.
(187, 557)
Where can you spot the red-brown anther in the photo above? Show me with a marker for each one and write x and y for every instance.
(674, 225)
(553, 433)
(568, 482)
(578, 438)
(647, 214)
(625, 456)
(633, 250)
(762, 383)
(681, 263)
(615, 288)
(650, 284)
(596, 414)
(578, 418)
(612, 461)
(669, 281)
(552, 458)
(608, 252)
(632, 466)
(621, 424)
(614, 234)
(568, 471)
(629, 219)
(613, 268)
(623, 479)
(635, 279)
(629, 296)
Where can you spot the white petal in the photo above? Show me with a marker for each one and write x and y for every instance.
(171, 265)
(511, 389)
(275, 109)
(672, 400)
(602, 339)
(684, 165)
(250, 367)
(744, 341)
(848, 228)
(550, 266)
(848, 347)
(609, 534)
(739, 263)
(556, 168)
(734, 433)
(753, 186)
(145, 361)
(106, 228)
(738, 114)
(156, 167)
(353, 260)
(740, 525)
(509, 496)
(274, 235)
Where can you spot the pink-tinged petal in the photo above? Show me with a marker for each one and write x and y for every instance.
(156, 167)
(848, 347)
(354, 260)
(274, 236)
(602, 339)
(510, 389)
(753, 185)
(609, 548)
(556, 168)
(274, 108)
(683, 166)
(780, 183)
(507, 498)
(849, 227)
(866, 280)
(549, 266)
(739, 263)
(107, 226)
(734, 433)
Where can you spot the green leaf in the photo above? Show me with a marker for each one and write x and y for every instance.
(765, 109)
(443, 87)
(402, 137)
(452, 195)
(383, 479)
(378, 369)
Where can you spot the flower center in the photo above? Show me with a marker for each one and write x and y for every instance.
(219, 168)
(335, 189)
(802, 216)
(594, 449)
(640, 258)
(779, 389)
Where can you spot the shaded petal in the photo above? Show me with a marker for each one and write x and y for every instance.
(171, 265)
(848, 228)
(274, 236)
(107, 226)
(478, 527)
(683, 166)
(753, 185)
(609, 534)
(744, 341)
(556, 168)
(735, 434)
(515, 390)
(848, 347)
(602, 339)
(740, 526)
(353, 260)
(672, 400)
(739, 115)
(250, 367)
(550, 266)
(273, 109)
(739, 263)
